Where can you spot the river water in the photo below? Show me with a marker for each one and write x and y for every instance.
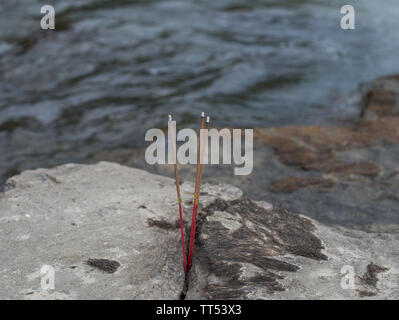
(113, 69)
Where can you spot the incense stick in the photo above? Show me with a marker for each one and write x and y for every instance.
(197, 191)
(170, 127)
(208, 119)
(195, 194)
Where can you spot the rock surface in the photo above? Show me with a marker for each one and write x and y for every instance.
(382, 100)
(108, 231)
(247, 250)
(112, 232)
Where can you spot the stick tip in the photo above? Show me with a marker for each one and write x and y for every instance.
(170, 117)
(202, 114)
(208, 118)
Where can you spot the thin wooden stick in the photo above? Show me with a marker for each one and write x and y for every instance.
(195, 193)
(199, 156)
(208, 119)
(198, 191)
(170, 127)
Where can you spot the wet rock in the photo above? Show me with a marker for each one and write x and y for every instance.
(247, 250)
(318, 148)
(291, 184)
(382, 100)
(303, 146)
(108, 232)
(360, 158)
(293, 153)
(366, 168)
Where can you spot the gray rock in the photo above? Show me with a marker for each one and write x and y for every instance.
(69, 216)
(112, 232)
(248, 250)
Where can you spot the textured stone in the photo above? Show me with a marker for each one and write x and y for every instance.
(365, 168)
(382, 100)
(314, 147)
(306, 145)
(248, 251)
(112, 232)
(109, 232)
(291, 184)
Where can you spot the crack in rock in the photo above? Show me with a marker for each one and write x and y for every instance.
(106, 265)
(369, 280)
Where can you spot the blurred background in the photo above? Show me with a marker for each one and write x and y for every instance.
(113, 69)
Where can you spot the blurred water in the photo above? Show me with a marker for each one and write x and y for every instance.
(114, 69)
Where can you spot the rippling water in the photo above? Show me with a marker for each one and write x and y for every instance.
(114, 69)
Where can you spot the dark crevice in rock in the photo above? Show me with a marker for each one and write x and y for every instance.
(370, 278)
(53, 179)
(234, 234)
(162, 224)
(165, 225)
(366, 293)
(9, 185)
(183, 292)
(109, 266)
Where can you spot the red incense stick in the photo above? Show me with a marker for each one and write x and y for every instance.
(170, 127)
(195, 194)
(202, 151)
